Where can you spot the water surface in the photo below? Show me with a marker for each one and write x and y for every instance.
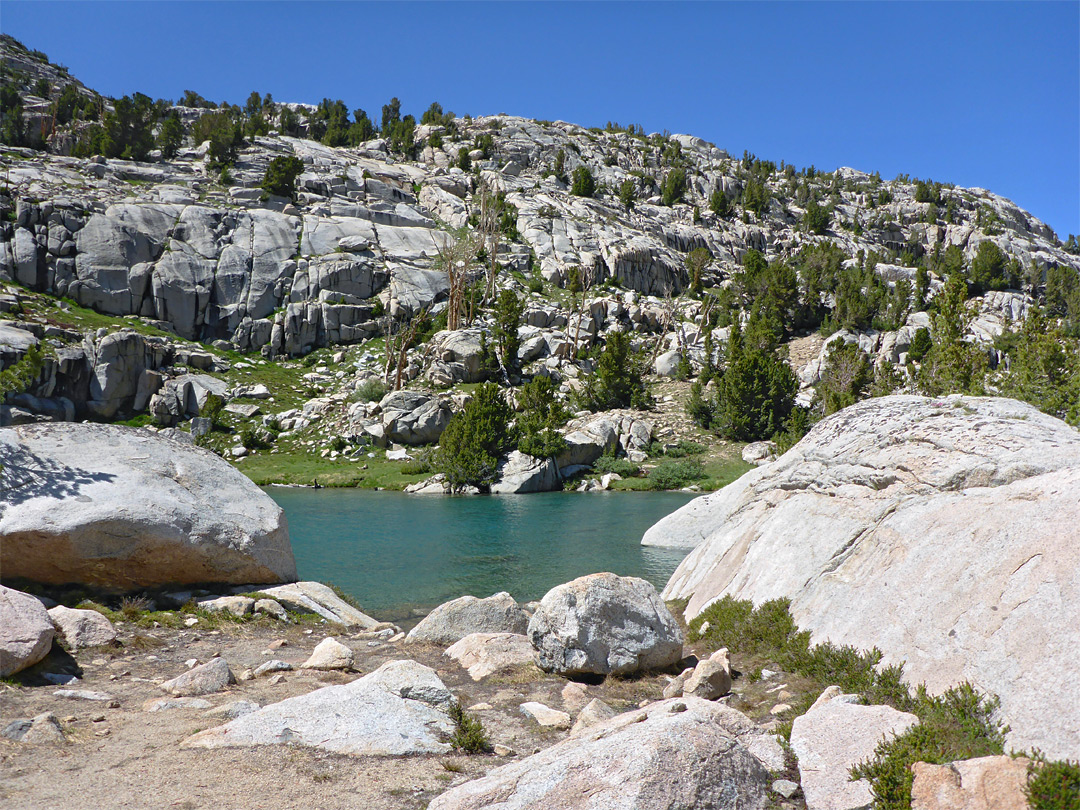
(398, 553)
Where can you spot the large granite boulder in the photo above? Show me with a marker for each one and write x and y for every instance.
(941, 531)
(453, 620)
(125, 508)
(400, 708)
(520, 473)
(674, 754)
(26, 633)
(81, 628)
(413, 417)
(484, 654)
(603, 624)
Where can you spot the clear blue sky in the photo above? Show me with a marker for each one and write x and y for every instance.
(975, 93)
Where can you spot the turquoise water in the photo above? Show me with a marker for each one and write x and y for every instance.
(398, 553)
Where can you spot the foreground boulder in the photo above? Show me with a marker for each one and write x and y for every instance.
(985, 783)
(603, 624)
(942, 532)
(26, 632)
(207, 679)
(453, 620)
(81, 628)
(484, 654)
(314, 597)
(830, 739)
(674, 754)
(124, 508)
(400, 708)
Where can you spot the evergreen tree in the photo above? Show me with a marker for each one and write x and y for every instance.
(618, 380)
(627, 194)
(756, 392)
(472, 442)
(280, 177)
(170, 136)
(540, 416)
(584, 184)
(674, 187)
(508, 311)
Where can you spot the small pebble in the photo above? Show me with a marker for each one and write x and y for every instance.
(97, 718)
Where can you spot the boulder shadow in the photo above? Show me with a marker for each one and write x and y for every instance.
(25, 475)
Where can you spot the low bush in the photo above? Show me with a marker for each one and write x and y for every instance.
(1053, 785)
(469, 736)
(619, 466)
(676, 474)
(370, 390)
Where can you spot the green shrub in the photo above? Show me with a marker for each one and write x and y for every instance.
(608, 463)
(1053, 785)
(337, 444)
(254, 439)
(920, 344)
(370, 390)
(674, 187)
(619, 378)
(676, 474)
(540, 416)
(684, 448)
(469, 735)
(816, 219)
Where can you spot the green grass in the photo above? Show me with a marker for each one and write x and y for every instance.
(302, 466)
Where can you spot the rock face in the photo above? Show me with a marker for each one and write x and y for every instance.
(604, 624)
(453, 620)
(81, 628)
(126, 508)
(831, 738)
(940, 531)
(519, 473)
(26, 633)
(484, 654)
(400, 708)
(986, 783)
(413, 417)
(674, 754)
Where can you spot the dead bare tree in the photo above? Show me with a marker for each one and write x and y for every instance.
(455, 258)
(490, 212)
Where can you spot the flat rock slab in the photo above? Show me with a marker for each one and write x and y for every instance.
(484, 654)
(123, 507)
(314, 597)
(957, 515)
(674, 754)
(832, 737)
(452, 621)
(168, 704)
(83, 694)
(26, 631)
(545, 715)
(400, 708)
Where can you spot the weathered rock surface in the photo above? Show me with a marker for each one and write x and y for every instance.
(484, 654)
(673, 754)
(604, 624)
(986, 783)
(400, 708)
(413, 417)
(314, 597)
(520, 473)
(592, 714)
(940, 531)
(832, 737)
(26, 632)
(545, 715)
(202, 680)
(453, 620)
(711, 678)
(126, 508)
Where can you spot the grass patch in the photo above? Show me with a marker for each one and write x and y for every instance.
(469, 736)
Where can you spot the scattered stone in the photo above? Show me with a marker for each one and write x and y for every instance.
(711, 678)
(453, 620)
(274, 665)
(168, 704)
(276, 679)
(546, 716)
(26, 631)
(42, 729)
(574, 696)
(238, 606)
(594, 713)
(271, 607)
(829, 739)
(204, 680)
(779, 709)
(675, 686)
(785, 788)
(330, 654)
(501, 750)
(653, 758)
(400, 708)
(986, 783)
(604, 624)
(83, 694)
(82, 628)
(484, 654)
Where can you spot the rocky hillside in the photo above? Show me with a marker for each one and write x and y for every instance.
(403, 244)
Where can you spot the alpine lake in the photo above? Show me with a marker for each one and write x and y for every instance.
(400, 555)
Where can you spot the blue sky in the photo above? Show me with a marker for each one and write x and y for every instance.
(974, 93)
